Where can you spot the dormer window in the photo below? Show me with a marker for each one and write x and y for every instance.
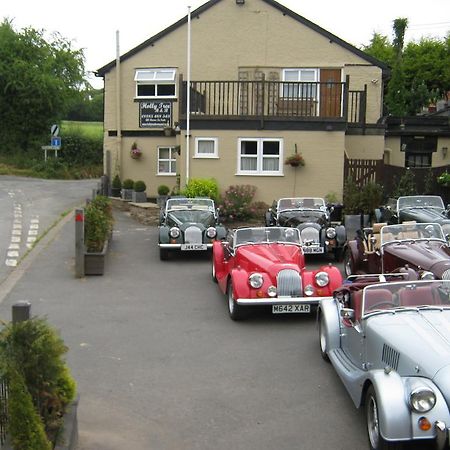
(155, 83)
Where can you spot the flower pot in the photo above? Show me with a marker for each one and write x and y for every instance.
(139, 197)
(294, 164)
(94, 262)
(115, 192)
(126, 194)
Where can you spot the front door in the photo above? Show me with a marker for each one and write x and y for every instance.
(330, 92)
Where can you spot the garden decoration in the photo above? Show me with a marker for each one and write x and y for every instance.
(135, 152)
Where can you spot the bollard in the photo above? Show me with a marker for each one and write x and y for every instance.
(21, 311)
(79, 243)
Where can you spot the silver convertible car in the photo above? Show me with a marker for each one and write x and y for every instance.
(389, 342)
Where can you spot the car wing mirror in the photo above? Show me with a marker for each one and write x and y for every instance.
(348, 314)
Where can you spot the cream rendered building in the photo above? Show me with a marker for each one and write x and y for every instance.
(264, 83)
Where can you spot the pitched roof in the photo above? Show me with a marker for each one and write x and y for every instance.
(285, 11)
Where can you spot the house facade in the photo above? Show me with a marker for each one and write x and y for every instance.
(264, 83)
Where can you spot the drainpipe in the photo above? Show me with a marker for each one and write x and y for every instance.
(118, 112)
(188, 95)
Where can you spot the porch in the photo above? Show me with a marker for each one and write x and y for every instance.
(274, 101)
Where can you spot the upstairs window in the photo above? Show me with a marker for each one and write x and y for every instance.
(155, 83)
(301, 84)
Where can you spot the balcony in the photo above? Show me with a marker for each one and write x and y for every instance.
(283, 105)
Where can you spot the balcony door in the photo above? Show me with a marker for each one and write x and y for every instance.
(330, 92)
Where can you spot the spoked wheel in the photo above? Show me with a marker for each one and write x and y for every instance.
(376, 441)
(323, 339)
(235, 310)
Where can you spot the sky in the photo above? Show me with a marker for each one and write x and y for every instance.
(92, 26)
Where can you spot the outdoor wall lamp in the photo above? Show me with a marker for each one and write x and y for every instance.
(177, 129)
(444, 151)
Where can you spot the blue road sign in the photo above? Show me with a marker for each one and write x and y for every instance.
(55, 142)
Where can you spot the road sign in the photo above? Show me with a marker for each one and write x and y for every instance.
(55, 142)
(54, 130)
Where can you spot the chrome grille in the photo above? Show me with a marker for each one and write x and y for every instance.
(390, 357)
(446, 275)
(289, 283)
(193, 235)
(310, 234)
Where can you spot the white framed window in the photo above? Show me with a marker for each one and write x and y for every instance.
(260, 156)
(308, 87)
(167, 161)
(206, 147)
(155, 83)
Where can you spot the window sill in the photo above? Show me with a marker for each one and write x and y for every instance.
(205, 157)
(258, 174)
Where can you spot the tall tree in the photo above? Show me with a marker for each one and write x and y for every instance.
(37, 81)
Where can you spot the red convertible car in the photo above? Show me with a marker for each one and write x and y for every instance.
(265, 266)
(421, 249)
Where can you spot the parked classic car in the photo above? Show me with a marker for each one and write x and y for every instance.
(188, 224)
(418, 208)
(418, 248)
(389, 344)
(312, 217)
(266, 266)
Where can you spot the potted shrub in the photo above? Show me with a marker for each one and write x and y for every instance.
(139, 195)
(127, 188)
(116, 186)
(97, 231)
(163, 193)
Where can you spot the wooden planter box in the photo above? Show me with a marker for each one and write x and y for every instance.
(94, 263)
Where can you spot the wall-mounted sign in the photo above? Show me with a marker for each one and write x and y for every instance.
(155, 114)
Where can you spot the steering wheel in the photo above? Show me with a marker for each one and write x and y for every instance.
(379, 304)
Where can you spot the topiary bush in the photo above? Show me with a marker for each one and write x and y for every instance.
(202, 187)
(163, 189)
(139, 186)
(128, 183)
(116, 183)
(32, 358)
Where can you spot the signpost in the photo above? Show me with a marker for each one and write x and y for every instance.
(55, 141)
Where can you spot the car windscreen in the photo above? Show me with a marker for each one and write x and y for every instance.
(413, 231)
(197, 203)
(301, 202)
(267, 235)
(180, 216)
(406, 294)
(420, 201)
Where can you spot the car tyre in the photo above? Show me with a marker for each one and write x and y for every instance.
(163, 254)
(213, 271)
(323, 339)
(235, 310)
(349, 264)
(338, 253)
(376, 441)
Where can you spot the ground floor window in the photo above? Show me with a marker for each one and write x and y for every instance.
(167, 163)
(418, 159)
(259, 156)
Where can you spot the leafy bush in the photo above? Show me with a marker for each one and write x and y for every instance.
(139, 186)
(406, 185)
(31, 354)
(163, 189)
(78, 149)
(352, 197)
(97, 224)
(128, 183)
(116, 183)
(371, 197)
(202, 187)
(236, 202)
(444, 179)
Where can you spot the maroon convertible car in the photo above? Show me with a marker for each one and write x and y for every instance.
(418, 248)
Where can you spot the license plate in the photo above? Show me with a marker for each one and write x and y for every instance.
(287, 309)
(188, 247)
(313, 249)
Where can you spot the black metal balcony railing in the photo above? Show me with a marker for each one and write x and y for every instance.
(274, 100)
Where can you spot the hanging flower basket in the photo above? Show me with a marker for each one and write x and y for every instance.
(135, 152)
(295, 160)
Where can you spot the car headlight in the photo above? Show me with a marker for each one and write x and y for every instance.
(331, 233)
(425, 275)
(256, 280)
(308, 290)
(322, 279)
(272, 291)
(422, 399)
(211, 232)
(174, 232)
